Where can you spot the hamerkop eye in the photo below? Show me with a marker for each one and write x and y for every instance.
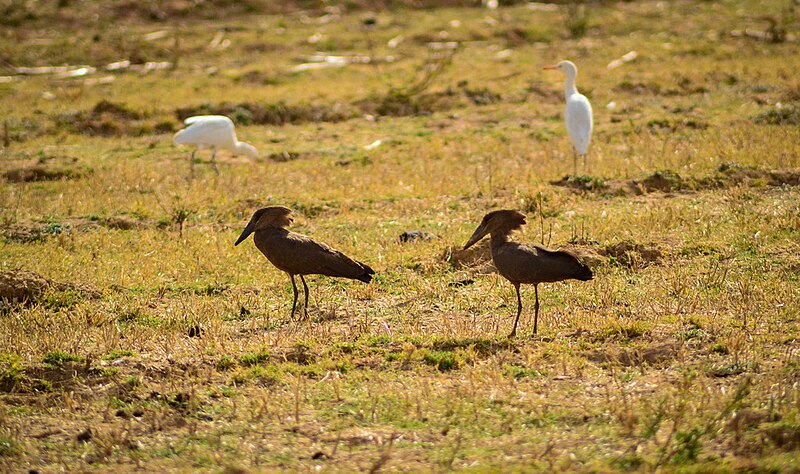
(525, 263)
(297, 254)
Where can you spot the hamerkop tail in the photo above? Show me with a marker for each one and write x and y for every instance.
(297, 254)
(525, 263)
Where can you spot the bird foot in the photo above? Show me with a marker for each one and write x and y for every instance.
(512, 335)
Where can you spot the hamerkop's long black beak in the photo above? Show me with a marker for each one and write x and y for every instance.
(245, 233)
(479, 233)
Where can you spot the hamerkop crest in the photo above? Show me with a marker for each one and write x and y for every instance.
(525, 263)
(297, 254)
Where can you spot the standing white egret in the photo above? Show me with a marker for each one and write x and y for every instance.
(578, 116)
(215, 132)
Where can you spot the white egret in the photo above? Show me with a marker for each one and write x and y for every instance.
(215, 132)
(578, 116)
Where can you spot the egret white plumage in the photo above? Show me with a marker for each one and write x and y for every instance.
(578, 115)
(215, 132)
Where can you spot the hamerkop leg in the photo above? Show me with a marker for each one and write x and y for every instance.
(305, 288)
(294, 287)
(536, 307)
(519, 311)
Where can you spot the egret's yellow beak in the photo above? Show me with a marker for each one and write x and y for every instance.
(552, 66)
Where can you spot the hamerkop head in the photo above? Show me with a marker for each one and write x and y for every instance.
(501, 222)
(266, 217)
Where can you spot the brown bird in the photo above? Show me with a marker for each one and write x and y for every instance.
(297, 254)
(524, 263)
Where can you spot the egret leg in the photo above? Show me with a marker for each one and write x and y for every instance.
(574, 162)
(585, 167)
(536, 307)
(294, 288)
(214, 162)
(519, 311)
(305, 288)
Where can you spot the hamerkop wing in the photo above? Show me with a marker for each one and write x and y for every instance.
(298, 254)
(527, 263)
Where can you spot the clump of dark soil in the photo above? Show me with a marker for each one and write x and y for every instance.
(653, 354)
(789, 115)
(107, 119)
(402, 104)
(784, 435)
(673, 125)
(247, 113)
(581, 183)
(392, 104)
(638, 88)
(27, 232)
(27, 287)
(734, 174)
(662, 180)
(124, 223)
(44, 173)
(284, 156)
(668, 181)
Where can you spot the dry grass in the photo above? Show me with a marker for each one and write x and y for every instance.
(145, 341)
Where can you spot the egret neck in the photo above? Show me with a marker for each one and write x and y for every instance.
(570, 85)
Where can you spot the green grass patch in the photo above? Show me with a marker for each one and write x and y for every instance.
(58, 358)
(444, 361)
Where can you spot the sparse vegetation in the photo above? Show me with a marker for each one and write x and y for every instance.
(135, 336)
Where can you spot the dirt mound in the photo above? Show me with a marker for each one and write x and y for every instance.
(783, 116)
(109, 119)
(477, 258)
(662, 180)
(589, 255)
(631, 254)
(248, 113)
(668, 181)
(653, 354)
(21, 286)
(581, 183)
(123, 223)
(26, 287)
(44, 173)
(400, 104)
(26, 232)
(737, 174)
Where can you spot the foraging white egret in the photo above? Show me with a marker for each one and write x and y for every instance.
(578, 116)
(215, 132)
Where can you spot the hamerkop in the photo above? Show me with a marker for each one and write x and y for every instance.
(297, 254)
(525, 263)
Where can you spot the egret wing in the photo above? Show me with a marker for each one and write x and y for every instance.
(209, 130)
(579, 122)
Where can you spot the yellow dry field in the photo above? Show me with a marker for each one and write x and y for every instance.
(135, 337)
